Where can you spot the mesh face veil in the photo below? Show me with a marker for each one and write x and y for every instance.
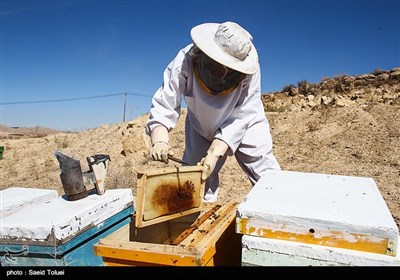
(214, 78)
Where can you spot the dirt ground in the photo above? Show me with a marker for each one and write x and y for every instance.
(343, 140)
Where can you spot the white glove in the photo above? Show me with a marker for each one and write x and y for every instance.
(217, 149)
(160, 144)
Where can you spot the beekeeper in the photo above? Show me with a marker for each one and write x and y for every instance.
(218, 76)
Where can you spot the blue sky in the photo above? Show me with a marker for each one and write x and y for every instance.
(68, 64)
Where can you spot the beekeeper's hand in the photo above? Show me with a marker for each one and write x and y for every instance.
(217, 149)
(160, 148)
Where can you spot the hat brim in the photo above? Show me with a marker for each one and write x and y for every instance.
(203, 37)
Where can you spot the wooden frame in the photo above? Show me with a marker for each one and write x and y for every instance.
(168, 193)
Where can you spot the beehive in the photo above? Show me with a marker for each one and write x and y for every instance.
(206, 238)
(171, 227)
(40, 228)
(307, 209)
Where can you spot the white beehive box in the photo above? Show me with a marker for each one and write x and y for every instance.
(319, 209)
(40, 228)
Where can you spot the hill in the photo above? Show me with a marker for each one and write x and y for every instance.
(19, 132)
(344, 125)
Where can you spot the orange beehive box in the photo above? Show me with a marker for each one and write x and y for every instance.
(207, 238)
(171, 227)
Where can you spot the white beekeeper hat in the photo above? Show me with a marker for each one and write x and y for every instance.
(227, 43)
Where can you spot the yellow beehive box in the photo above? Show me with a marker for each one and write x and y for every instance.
(205, 238)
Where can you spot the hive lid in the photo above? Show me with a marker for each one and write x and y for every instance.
(56, 221)
(15, 199)
(167, 193)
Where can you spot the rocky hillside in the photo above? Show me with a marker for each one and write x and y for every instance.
(381, 86)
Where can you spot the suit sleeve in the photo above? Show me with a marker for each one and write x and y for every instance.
(166, 102)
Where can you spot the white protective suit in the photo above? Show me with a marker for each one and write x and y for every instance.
(237, 118)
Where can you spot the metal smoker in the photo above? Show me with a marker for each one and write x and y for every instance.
(74, 181)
